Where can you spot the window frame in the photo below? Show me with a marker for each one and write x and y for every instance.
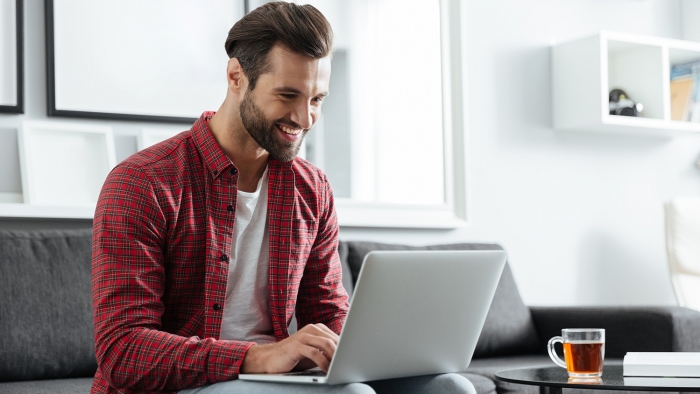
(454, 212)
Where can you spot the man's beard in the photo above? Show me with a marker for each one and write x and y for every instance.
(264, 131)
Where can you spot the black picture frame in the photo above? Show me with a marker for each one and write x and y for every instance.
(53, 111)
(19, 24)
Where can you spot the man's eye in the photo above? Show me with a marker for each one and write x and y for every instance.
(318, 99)
(287, 96)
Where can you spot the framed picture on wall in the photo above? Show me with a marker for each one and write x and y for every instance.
(12, 55)
(64, 164)
(156, 60)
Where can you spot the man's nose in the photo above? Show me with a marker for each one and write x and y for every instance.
(303, 115)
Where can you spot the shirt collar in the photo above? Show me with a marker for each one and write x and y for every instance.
(213, 156)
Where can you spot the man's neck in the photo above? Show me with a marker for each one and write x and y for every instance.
(248, 157)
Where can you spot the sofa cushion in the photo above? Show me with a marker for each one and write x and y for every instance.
(45, 313)
(627, 328)
(50, 386)
(347, 272)
(488, 367)
(508, 328)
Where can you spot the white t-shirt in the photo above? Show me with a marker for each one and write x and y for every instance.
(247, 308)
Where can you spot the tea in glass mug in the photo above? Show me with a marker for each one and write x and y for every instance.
(584, 351)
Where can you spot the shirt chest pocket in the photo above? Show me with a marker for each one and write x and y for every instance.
(304, 233)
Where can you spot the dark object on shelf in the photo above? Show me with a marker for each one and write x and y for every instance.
(620, 104)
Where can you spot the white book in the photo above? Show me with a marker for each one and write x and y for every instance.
(654, 381)
(674, 364)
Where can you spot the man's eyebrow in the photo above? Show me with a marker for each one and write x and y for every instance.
(289, 89)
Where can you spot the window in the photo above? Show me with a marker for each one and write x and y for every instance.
(391, 137)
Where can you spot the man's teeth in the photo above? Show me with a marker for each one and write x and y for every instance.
(290, 131)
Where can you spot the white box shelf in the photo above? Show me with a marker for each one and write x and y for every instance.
(584, 71)
(63, 166)
(28, 211)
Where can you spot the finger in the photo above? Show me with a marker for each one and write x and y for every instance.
(314, 338)
(326, 345)
(315, 355)
(327, 330)
(322, 331)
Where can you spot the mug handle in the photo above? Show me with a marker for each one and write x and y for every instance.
(553, 354)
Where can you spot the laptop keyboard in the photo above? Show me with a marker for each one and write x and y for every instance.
(307, 373)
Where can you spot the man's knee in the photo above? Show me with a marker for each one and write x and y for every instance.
(239, 386)
(356, 388)
(452, 383)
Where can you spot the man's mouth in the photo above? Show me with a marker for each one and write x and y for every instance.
(289, 130)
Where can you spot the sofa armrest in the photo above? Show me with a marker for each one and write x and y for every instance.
(627, 329)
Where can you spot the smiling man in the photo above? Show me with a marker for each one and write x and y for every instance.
(207, 244)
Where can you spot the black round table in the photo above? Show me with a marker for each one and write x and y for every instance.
(553, 379)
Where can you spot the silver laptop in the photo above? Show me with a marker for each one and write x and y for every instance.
(413, 313)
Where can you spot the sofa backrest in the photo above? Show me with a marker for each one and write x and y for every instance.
(46, 326)
(509, 328)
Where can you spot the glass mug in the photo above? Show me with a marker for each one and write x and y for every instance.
(584, 351)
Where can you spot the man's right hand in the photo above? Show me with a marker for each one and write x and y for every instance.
(314, 342)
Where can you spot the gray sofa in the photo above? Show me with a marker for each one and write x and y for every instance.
(46, 335)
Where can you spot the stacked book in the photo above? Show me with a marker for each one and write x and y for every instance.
(685, 91)
(662, 364)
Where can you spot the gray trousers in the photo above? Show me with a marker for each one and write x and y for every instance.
(449, 383)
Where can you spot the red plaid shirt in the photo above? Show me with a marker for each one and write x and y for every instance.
(163, 231)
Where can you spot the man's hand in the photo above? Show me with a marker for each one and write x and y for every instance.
(315, 343)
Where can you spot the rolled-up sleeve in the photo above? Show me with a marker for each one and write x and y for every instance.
(128, 284)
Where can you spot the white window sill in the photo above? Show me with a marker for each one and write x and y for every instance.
(354, 214)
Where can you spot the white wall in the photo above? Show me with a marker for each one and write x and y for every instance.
(35, 90)
(580, 215)
(690, 10)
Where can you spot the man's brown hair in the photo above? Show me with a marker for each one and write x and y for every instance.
(300, 28)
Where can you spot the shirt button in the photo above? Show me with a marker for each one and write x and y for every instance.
(233, 171)
(216, 172)
(217, 307)
(224, 257)
(230, 208)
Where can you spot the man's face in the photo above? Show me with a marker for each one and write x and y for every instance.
(286, 102)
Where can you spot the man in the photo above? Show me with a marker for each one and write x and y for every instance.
(207, 244)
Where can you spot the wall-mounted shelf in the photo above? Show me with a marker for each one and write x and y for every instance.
(585, 70)
(20, 210)
(63, 166)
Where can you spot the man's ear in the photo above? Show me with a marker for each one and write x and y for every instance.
(236, 78)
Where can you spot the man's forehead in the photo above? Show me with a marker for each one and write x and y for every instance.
(287, 68)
